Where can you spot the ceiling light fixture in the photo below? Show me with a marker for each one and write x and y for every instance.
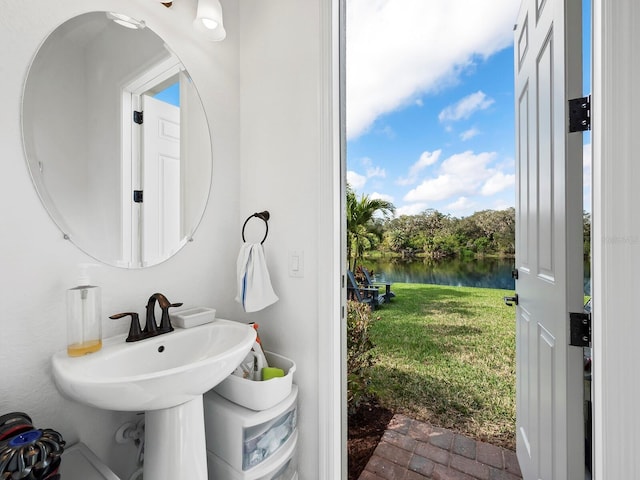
(126, 20)
(209, 20)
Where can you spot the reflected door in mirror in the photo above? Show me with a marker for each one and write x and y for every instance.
(84, 156)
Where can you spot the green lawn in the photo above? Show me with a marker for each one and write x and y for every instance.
(447, 355)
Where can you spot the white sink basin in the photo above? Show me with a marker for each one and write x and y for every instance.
(156, 373)
(165, 376)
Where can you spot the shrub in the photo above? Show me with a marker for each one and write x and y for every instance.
(360, 357)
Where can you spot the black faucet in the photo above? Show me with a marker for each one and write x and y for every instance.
(151, 328)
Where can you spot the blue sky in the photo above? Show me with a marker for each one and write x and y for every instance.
(430, 109)
(171, 94)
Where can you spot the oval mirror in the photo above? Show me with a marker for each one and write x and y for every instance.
(116, 140)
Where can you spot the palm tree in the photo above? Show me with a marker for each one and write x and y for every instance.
(361, 234)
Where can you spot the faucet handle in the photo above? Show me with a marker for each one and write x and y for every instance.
(165, 321)
(135, 333)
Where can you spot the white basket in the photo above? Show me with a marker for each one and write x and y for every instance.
(259, 395)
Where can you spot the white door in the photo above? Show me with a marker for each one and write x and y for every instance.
(550, 439)
(161, 180)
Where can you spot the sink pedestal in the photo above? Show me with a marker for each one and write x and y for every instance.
(175, 446)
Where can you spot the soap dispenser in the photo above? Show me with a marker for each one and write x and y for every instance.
(84, 316)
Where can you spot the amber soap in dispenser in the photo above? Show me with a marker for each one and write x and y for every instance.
(84, 316)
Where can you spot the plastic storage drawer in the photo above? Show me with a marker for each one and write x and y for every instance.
(283, 465)
(245, 438)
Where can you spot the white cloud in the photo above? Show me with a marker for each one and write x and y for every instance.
(436, 189)
(399, 49)
(388, 132)
(419, 102)
(376, 172)
(508, 163)
(469, 134)
(426, 159)
(356, 180)
(502, 205)
(411, 209)
(462, 174)
(381, 196)
(366, 162)
(467, 164)
(465, 107)
(371, 169)
(462, 205)
(497, 183)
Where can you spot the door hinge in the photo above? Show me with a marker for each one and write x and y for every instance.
(580, 114)
(514, 274)
(137, 196)
(580, 329)
(511, 301)
(138, 117)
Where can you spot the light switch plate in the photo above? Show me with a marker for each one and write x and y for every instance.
(296, 263)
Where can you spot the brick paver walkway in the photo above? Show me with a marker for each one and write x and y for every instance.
(412, 450)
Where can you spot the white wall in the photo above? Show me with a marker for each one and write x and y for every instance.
(290, 166)
(616, 238)
(279, 149)
(270, 95)
(37, 265)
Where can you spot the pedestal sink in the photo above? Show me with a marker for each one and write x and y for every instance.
(166, 377)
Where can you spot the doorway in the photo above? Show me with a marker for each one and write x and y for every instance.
(373, 170)
(151, 152)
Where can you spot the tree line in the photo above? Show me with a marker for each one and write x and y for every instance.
(436, 235)
(371, 226)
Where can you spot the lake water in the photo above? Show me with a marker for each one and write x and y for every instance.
(470, 272)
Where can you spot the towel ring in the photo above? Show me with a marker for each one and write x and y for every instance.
(262, 216)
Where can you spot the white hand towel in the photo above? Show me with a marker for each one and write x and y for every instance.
(254, 285)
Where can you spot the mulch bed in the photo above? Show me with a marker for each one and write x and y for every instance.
(366, 426)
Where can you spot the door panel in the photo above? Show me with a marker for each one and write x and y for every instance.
(523, 380)
(550, 439)
(545, 158)
(522, 211)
